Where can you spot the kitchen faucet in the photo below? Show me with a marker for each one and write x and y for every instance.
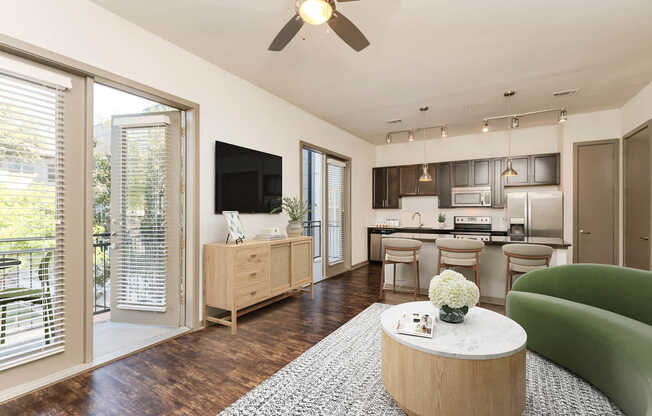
(420, 219)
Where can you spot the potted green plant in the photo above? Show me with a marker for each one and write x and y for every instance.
(297, 211)
(441, 219)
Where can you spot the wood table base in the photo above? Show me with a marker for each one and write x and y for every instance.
(428, 384)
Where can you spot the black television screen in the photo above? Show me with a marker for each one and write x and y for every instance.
(246, 180)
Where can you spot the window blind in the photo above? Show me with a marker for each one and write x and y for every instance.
(142, 235)
(336, 175)
(31, 220)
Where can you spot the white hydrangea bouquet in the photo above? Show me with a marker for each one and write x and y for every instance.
(453, 295)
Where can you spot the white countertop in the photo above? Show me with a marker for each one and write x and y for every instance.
(484, 335)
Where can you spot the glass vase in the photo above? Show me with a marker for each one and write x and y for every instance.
(453, 315)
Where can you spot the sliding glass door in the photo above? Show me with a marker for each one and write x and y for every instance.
(42, 202)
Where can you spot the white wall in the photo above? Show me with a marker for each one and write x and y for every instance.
(637, 110)
(232, 109)
(543, 139)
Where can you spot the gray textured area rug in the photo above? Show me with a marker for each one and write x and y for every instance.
(341, 376)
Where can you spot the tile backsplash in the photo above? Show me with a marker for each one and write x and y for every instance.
(428, 206)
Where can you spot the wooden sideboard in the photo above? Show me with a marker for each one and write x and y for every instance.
(244, 277)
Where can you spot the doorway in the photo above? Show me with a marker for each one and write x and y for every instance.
(637, 197)
(325, 188)
(596, 202)
(137, 222)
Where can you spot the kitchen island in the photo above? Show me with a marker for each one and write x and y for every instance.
(493, 263)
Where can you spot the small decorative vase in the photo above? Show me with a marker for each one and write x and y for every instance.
(453, 315)
(295, 228)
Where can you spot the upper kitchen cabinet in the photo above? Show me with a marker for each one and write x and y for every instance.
(462, 173)
(409, 179)
(545, 169)
(521, 165)
(532, 170)
(498, 186)
(444, 184)
(482, 173)
(427, 188)
(386, 187)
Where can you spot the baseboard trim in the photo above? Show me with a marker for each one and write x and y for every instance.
(359, 265)
(68, 373)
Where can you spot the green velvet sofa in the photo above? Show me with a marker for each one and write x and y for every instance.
(594, 320)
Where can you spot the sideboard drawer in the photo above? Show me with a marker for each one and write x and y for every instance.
(244, 277)
(251, 257)
(248, 295)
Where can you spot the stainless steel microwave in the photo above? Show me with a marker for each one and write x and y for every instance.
(472, 197)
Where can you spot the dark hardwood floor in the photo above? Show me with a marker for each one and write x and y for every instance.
(204, 372)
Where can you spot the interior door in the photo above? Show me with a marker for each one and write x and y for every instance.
(145, 212)
(637, 200)
(336, 218)
(596, 203)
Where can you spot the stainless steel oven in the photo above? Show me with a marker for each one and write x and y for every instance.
(472, 197)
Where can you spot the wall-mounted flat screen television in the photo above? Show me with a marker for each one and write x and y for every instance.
(246, 180)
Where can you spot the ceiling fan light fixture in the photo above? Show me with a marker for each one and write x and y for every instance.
(315, 12)
(425, 175)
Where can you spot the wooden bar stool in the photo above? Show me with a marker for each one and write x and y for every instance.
(397, 251)
(523, 258)
(460, 252)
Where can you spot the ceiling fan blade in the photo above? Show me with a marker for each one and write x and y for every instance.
(348, 31)
(286, 34)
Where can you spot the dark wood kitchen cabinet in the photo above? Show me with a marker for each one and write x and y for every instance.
(386, 187)
(444, 184)
(462, 173)
(545, 169)
(409, 179)
(482, 174)
(498, 186)
(521, 164)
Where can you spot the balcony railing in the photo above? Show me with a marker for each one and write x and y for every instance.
(313, 229)
(26, 275)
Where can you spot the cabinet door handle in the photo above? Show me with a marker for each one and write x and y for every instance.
(585, 232)
(645, 238)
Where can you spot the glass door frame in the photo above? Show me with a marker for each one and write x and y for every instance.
(330, 271)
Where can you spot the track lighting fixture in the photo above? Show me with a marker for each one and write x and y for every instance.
(485, 127)
(563, 116)
(515, 122)
(444, 132)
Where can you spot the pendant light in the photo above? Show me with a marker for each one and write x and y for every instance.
(425, 175)
(510, 170)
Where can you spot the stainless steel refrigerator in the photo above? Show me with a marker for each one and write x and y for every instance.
(536, 214)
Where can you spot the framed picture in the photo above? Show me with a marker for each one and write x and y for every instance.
(236, 231)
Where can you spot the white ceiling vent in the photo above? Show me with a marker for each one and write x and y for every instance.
(566, 93)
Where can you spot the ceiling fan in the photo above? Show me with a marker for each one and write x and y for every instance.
(317, 12)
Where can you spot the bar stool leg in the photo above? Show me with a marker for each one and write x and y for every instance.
(508, 279)
(381, 295)
(395, 266)
(416, 278)
(477, 270)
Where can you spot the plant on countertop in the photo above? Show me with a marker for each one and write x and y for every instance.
(294, 208)
(453, 295)
(441, 218)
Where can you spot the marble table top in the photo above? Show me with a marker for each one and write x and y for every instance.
(484, 335)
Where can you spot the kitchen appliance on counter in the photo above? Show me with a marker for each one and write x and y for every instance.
(471, 197)
(474, 228)
(535, 214)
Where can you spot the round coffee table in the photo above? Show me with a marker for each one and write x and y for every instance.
(473, 368)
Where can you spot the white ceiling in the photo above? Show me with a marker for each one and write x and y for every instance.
(455, 56)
